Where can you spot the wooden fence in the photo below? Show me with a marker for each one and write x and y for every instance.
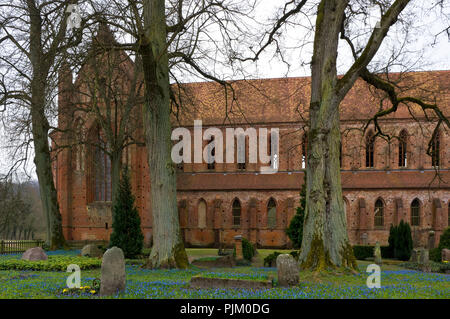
(18, 246)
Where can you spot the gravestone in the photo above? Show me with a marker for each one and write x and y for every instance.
(377, 254)
(33, 254)
(288, 271)
(424, 260)
(91, 250)
(113, 277)
(445, 254)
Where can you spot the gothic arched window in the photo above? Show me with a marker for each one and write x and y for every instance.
(370, 149)
(236, 212)
(101, 169)
(415, 212)
(402, 149)
(435, 150)
(272, 213)
(379, 213)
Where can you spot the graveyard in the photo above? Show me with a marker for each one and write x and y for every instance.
(50, 282)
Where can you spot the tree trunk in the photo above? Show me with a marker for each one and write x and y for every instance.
(55, 238)
(325, 241)
(168, 248)
(40, 127)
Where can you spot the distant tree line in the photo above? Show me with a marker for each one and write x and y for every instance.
(19, 211)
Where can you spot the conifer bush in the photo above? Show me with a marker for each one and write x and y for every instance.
(127, 233)
(295, 229)
(248, 250)
(400, 241)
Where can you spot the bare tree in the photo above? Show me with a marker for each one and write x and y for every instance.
(33, 35)
(170, 37)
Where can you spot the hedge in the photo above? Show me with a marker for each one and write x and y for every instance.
(364, 252)
(53, 263)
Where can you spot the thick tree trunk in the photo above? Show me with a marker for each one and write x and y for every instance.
(325, 241)
(168, 248)
(40, 127)
(55, 238)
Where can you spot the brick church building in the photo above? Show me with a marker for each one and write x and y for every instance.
(384, 181)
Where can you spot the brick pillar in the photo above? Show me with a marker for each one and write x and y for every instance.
(238, 245)
(362, 221)
(218, 223)
(252, 221)
(399, 212)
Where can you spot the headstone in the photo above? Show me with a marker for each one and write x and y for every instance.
(415, 253)
(424, 257)
(288, 271)
(238, 245)
(445, 254)
(424, 260)
(33, 254)
(377, 254)
(91, 250)
(113, 277)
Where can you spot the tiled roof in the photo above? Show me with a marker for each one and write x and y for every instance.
(287, 99)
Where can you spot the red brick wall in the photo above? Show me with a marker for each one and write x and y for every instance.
(362, 186)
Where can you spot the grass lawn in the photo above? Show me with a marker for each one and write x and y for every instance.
(396, 282)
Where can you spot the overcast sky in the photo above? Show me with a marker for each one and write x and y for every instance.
(423, 55)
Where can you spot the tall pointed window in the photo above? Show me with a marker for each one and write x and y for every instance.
(402, 149)
(304, 150)
(370, 149)
(379, 213)
(272, 213)
(435, 150)
(236, 212)
(415, 212)
(102, 170)
(79, 148)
